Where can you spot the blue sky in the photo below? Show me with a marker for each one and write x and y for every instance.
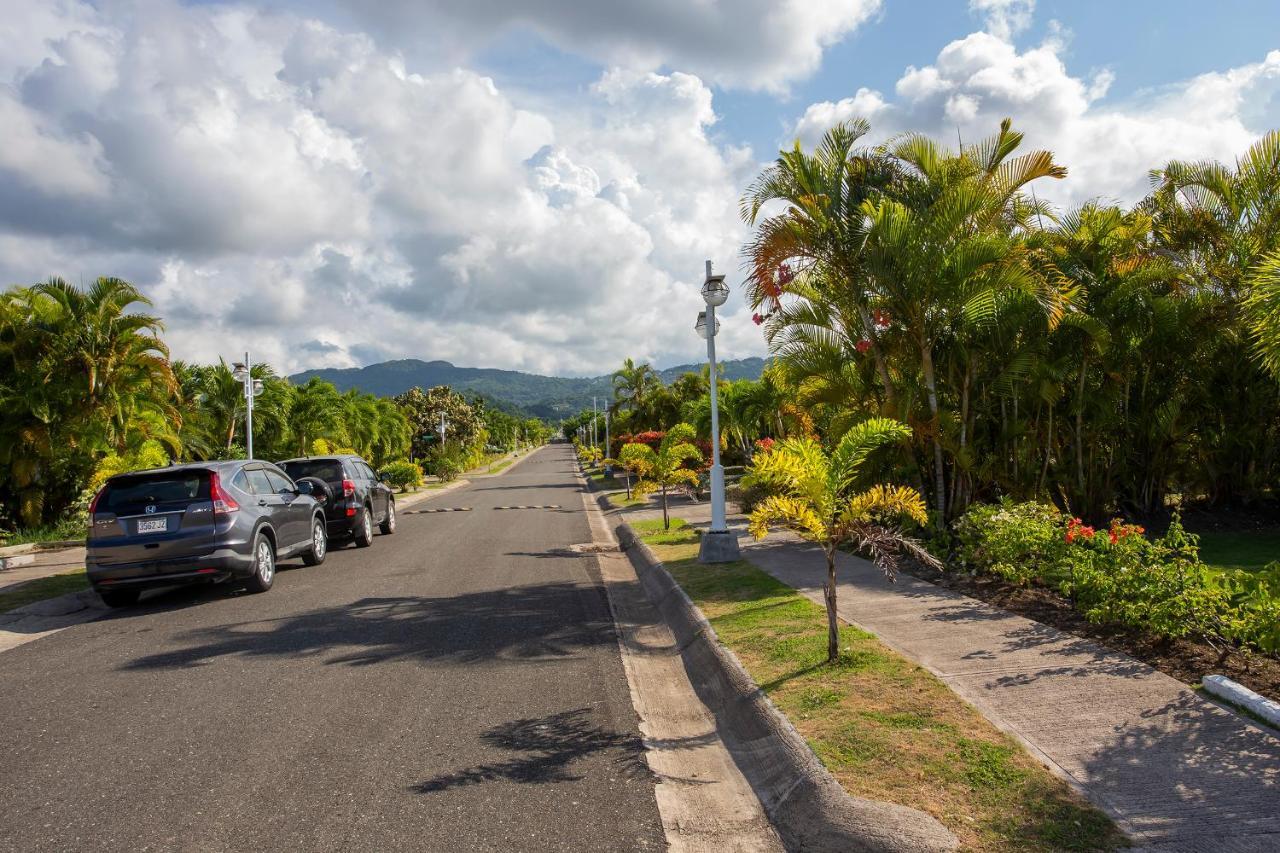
(535, 184)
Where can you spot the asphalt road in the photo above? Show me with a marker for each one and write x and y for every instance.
(457, 686)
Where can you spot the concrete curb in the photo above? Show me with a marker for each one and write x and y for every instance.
(30, 547)
(803, 800)
(1238, 694)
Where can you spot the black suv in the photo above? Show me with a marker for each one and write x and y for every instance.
(199, 522)
(353, 496)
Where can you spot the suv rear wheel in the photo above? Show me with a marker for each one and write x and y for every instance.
(315, 555)
(364, 533)
(264, 565)
(388, 525)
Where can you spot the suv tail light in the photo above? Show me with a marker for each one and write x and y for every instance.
(349, 494)
(223, 503)
(93, 504)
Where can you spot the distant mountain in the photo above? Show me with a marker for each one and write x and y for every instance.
(550, 397)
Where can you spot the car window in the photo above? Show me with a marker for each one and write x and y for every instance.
(368, 472)
(241, 483)
(130, 495)
(258, 481)
(329, 470)
(279, 483)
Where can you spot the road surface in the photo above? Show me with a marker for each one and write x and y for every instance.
(457, 686)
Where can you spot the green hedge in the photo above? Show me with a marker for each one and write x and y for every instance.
(1118, 575)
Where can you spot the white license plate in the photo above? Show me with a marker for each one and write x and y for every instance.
(153, 525)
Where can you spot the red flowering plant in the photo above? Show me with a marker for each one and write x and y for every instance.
(862, 345)
(764, 445)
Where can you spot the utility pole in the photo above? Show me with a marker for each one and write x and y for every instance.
(718, 544)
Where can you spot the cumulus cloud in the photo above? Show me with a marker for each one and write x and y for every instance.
(278, 182)
(757, 44)
(1108, 148)
(1005, 18)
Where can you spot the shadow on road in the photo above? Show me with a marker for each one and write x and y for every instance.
(522, 623)
(550, 745)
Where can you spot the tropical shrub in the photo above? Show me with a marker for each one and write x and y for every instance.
(823, 498)
(402, 474)
(1016, 541)
(663, 468)
(447, 461)
(1117, 575)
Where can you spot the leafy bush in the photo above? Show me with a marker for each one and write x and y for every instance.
(1116, 575)
(447, 461)
(403, 474)
(1018, 542)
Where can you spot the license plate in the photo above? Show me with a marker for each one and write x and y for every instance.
(153, 525)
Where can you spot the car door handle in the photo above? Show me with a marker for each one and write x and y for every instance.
(262, 502)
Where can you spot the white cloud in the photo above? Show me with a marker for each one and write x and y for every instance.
(757, 44)
(279, 183)
(1108, 148)
(1004, 18)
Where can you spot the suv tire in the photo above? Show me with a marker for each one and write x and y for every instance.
(364, 533)
(120, 597)
(319, 549)
(264, 565)
(388, 525)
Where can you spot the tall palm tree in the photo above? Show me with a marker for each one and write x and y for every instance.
(822, 498)
(632, 385)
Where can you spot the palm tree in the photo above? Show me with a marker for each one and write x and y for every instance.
(820, 497)
(661, 469)
(632, 385)
(316, 412)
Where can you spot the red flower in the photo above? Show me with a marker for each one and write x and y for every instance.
(757, 319)
(785, 274)
(862, 345)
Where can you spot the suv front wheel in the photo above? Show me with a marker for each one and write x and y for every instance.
(364, 533)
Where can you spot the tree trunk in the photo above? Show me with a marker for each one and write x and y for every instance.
(666, 522)
(1084, 365)
(939, 470)
(882, 367)
(833, 620)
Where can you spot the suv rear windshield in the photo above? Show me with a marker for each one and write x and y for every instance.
(131, 495)
(329, 470)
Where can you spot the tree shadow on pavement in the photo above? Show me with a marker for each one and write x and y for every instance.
(1192, 773)
(540, 622)
(549, 746)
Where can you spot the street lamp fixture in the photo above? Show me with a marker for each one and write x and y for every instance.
(701, 326)
(714, 291)
(242, 372)
(719, 544)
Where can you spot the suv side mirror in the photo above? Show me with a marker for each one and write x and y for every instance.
(305, 487)
(383, 477)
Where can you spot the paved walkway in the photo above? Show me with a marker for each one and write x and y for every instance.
(1177, 772)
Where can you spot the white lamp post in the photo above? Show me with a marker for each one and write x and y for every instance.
(243, 373)
(719, 544)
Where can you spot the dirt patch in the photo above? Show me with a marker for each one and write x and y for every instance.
(1184, 659)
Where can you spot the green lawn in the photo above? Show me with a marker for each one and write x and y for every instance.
(620, 499)
(38, 590)
(884, 726)
(53, 533)
(1248, 551)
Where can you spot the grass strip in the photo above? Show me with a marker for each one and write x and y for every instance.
(884, 726)
(42, 588)
(1245, 550)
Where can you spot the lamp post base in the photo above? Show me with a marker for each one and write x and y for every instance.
(719, 546)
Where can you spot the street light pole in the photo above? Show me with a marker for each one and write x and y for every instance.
(719, 544)
(243, 372)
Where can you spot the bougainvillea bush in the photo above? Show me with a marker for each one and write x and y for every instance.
(1117, 575)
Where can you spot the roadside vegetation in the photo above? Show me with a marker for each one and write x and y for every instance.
(886, 728)
(42, 588)
(88, 389)
(1070, 380)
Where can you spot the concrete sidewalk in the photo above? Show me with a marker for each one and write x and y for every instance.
(1177, 772)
